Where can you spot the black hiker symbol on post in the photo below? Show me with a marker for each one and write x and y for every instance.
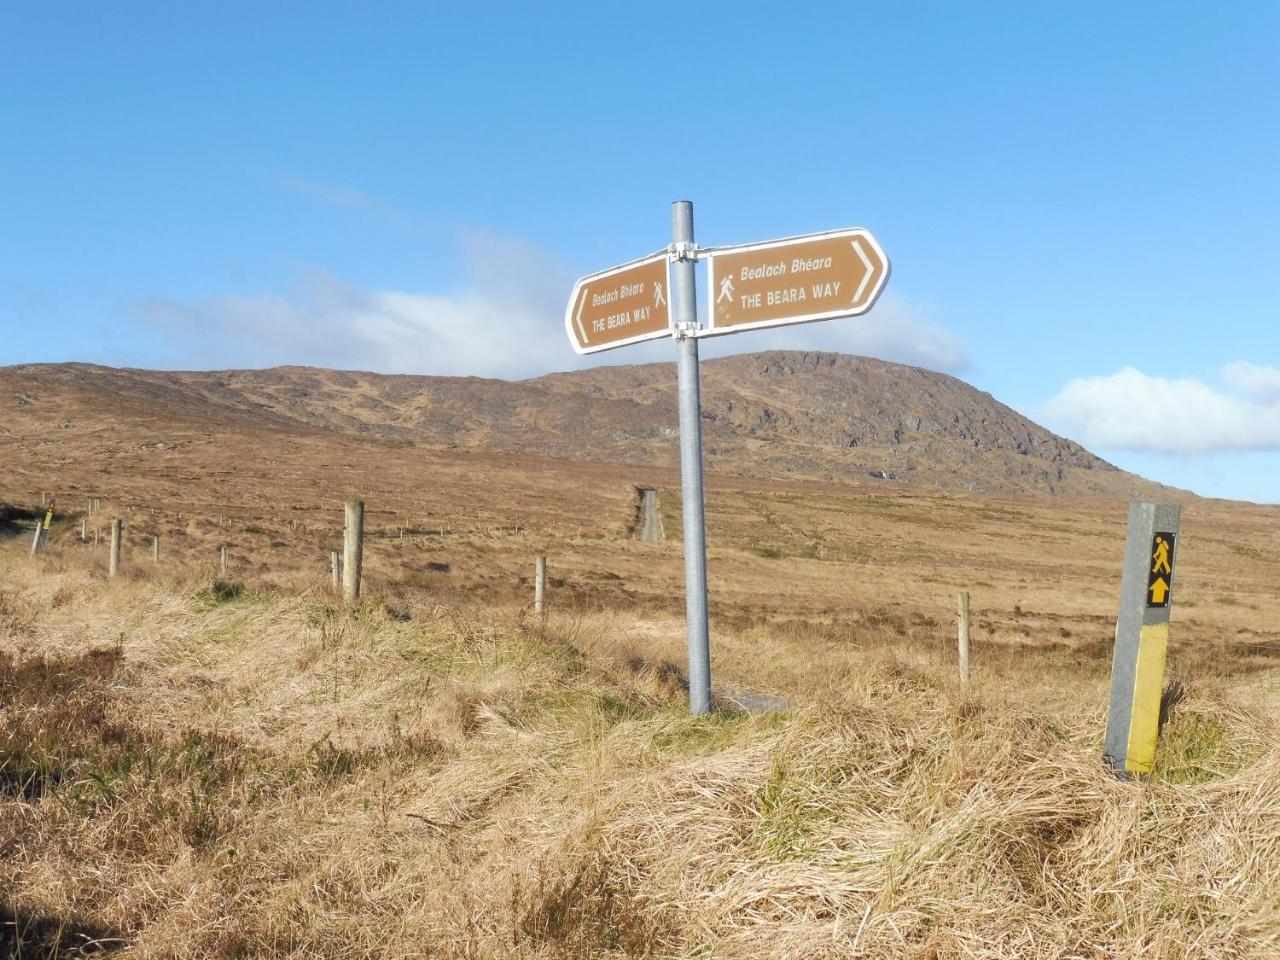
(1161, 556)
(1160, 578)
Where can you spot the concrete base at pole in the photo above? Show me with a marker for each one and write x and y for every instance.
(1142, 638)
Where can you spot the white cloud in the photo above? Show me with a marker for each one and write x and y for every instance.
(1132, 410)
(1256, 382)
(502, 322)
(505, 320)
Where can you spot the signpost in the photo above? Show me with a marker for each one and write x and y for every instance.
(1142, 637)
(820, 276)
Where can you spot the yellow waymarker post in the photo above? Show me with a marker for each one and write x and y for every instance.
(1142, 637)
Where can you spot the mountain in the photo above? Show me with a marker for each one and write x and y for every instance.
(778, 414)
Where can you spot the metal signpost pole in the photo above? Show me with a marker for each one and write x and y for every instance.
(684, 315)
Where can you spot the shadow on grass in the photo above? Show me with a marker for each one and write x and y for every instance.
(30, 936)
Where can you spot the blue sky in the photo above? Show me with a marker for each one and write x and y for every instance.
(1080, 202)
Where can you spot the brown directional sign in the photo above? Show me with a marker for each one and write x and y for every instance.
(797, 280)
(625, 304)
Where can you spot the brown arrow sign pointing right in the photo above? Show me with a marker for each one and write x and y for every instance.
(818, 277)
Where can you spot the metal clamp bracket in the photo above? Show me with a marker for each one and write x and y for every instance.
(683, 250)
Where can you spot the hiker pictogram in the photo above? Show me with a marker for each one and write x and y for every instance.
(726, 290)
(1161, 556)
(1160, 576)
(658, 297)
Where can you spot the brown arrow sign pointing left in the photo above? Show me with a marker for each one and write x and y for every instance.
(625, 304)
(797, 280)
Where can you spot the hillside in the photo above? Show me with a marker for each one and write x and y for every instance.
(772, 415)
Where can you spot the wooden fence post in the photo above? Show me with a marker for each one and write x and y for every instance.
(353, 550)
(117, 534)
(223, 562)
(964, 640)
(335, 570)
(540, 584)
(36, 540)
(155, 549)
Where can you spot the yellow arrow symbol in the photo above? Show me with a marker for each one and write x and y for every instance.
(1159, 590)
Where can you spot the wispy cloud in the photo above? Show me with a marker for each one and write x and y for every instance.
(349, 199)
(505, 319)
(1258, 383)
(1132, 410)
(895, 330)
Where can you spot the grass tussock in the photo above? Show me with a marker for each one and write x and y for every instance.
(199, 771)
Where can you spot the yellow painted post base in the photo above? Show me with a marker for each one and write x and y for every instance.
(1148, 686)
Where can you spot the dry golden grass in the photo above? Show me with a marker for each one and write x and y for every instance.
(1040, 571)
(196, 769)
